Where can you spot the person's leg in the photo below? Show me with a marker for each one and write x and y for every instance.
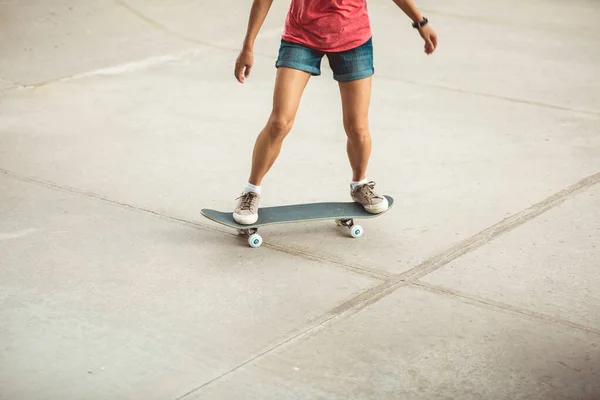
(289, 86)
(353, 69)
(295, 65)
(356, 96)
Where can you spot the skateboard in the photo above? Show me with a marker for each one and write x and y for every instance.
(343, 213)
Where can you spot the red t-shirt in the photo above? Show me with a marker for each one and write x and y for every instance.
(328, 25)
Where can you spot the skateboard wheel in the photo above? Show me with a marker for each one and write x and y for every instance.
(241, 232)
(255, 240)
(338, 222)
(356, 231)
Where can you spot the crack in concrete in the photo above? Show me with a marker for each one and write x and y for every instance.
(312, 326)
(11, 85)
(163, 59)
(371, 273)
(391, 280)
(95, 196)
(502, 227)
(504, 22)
(170, 31)
(410, 277)
(370, 296)
(493, 304)
(157, 25)
(10, 81)
(491, 96)
(383, 289)
(164, 28)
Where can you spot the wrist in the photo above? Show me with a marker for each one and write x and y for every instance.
(248, 45)
(418, 24)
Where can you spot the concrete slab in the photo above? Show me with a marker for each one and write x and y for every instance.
(419, 345)
(98, 296)
(552, 14)
(534, 54)
(47, 41)
(223, 25)
(102, 300)
(506, 51)
(549, 265)
(185, 144)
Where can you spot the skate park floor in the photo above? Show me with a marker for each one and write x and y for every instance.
(120, 120)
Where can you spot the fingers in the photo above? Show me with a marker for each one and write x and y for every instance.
(428, 46)
(243, 66)
(430, 38)
(241, 72)
(237, 71)
(430, 42)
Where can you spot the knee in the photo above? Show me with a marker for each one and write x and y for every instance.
(357, 131)
(279, 126)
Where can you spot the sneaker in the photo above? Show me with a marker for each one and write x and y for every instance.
(372, 202)
(246, 210)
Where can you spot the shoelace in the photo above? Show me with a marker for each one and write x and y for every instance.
(248, 201)
(368, 189)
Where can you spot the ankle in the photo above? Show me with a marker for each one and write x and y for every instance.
(355, 184)
(252, 188)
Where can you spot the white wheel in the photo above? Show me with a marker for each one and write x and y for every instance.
(356, 231)
(338, 222)
(255, 240)
(241, 232)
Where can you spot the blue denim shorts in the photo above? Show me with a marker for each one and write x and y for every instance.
(346, 65)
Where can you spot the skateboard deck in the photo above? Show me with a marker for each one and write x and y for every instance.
(343, 212)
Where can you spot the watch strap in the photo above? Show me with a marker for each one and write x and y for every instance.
(420, 24)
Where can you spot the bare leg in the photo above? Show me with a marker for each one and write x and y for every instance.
(356, 97)
(289, 86)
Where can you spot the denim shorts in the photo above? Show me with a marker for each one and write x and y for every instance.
(349, 65)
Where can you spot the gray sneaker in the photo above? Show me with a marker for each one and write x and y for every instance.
(246, 210)
(372, 202)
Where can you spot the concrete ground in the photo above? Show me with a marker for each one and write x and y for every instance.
(120, 120)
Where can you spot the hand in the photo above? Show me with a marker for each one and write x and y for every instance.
(243, 64)
(430, 37)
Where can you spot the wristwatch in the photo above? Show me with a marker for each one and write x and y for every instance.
(420, 24)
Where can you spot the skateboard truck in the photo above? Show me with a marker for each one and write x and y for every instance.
(255, 240)
(355, 230)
